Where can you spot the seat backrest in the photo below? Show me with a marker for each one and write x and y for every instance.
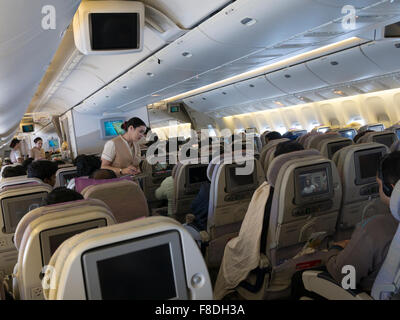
(64, 175)
(317, 140)
(232, 186)
(387, 282)
(42, 230)
(15, 202)
(329, 147)
(83, 182)
(125, 199)
(85, 265)
(385, 137)
(306, 199)
(155, 175)
(357, 165)
(6, 182)
(266, 148)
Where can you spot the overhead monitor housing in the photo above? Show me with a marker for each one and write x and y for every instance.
(109, 27)
(111, 127)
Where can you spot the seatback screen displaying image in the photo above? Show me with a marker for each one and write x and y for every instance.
(313, 183)
(336, 146)
(386, 139)
(377, 127)
(366, 164)
(51, 239)
(197, 174)
(147, 268)
(14, 208)
(238, 182)
(350, 133)
(53, 143)
(114, 31)
(66, 177)
(161, 168)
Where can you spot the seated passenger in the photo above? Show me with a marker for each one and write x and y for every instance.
(286, 147)
(15, 171)
(102, 174)
(27, 162)
(44, 170)
(166, 192)
(62, 194)
(272, 136)
(85, 166)
(370, 241)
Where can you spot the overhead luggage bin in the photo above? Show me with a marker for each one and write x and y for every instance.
(295, 79)
(385, 54)
(344, 66)
(258, 88)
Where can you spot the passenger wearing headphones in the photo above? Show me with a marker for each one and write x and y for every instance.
(370, 241)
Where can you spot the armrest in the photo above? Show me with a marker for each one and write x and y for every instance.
(323, 284)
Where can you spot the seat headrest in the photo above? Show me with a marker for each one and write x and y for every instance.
(395, 201)
(279, 161)
(83, 182)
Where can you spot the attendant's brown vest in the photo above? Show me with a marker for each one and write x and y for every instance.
(123, 157)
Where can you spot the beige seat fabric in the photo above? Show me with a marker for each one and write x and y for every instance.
(125, 199)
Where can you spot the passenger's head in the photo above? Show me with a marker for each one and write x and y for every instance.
(14, 171)
(15, 143)
(102, 174)
(62, 194)
(38, 142)
(359, 135)
(272, 136)
(388, 175)
(27, 162)
(44, 170)
(86, 165)
(286, 147)
(135, 129)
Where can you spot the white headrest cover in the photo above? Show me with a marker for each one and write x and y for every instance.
(395, 201)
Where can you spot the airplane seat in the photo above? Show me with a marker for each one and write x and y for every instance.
(267, 147)
(292, 217)
(262, 138)
(125, 198)
(15, 202)
(64, 175)
(269, 153)
(357, 165)
(232, 186)
(155, 175)
(384, 137)
(42, 230)
(189, 178)
(395, 146)
(123, 262)
(329, 147)
(316, 141)
(83, 182)
(387, 283)
(5, 166)
(6, 182)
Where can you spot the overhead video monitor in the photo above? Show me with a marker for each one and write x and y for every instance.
(386, 139)
(111, 127)
(348, 133)
(392, 30)
(238, 183)
(53, 143)
(313, 183)
(147, 268)
(28, 128)
(377, 127)
(51, 239)
(366, 164)
(109, 27)
(14, 208)
(336, 146)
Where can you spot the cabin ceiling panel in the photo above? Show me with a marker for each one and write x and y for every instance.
(187, 13)
(344, 66)
(258, 88)
(295, 79)
(386, 54)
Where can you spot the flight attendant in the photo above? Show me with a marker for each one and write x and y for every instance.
(122, 154)
(37, 151)
(15, 154)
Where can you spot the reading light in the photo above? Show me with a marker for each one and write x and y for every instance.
(248, 22)
(150, 74)
(271, 67)
(187, 54)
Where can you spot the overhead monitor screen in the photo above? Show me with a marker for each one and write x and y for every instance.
(113, 128)
(392, 30)
(53, 143)
(28, 128)
(378, 127)
(386, 139)
(149, 268)
(114, 31)
(198, 174)
(350, 133)
(313, 183)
